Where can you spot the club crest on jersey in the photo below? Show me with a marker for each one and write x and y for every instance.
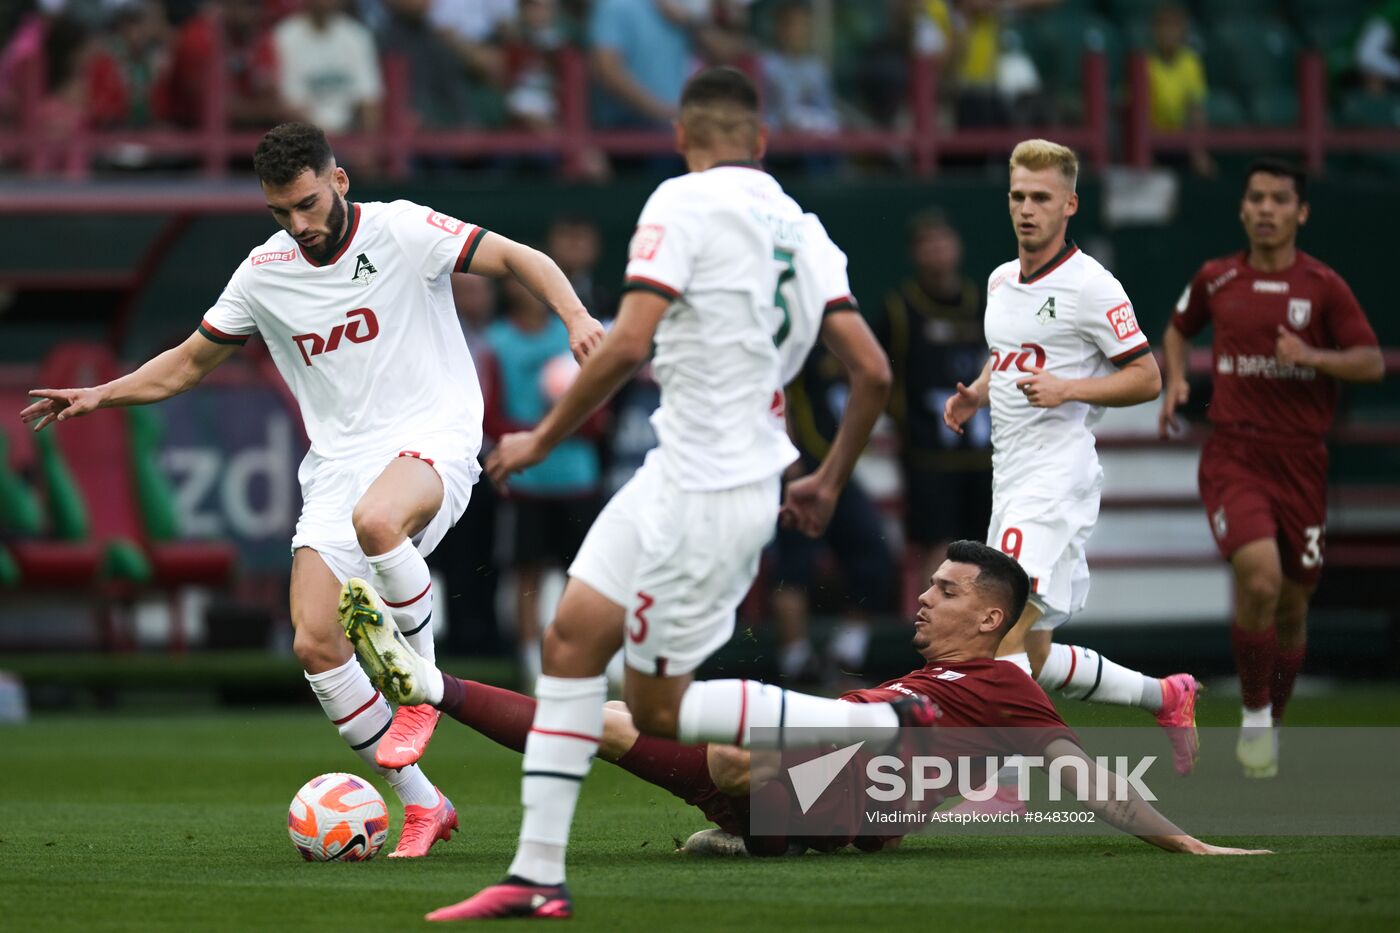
(1046, 314)
(364, 270)
(1299, 312)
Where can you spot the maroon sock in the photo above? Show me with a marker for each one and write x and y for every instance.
(1287, 663)
(503, 716)
(1254, 659)
(680, 769)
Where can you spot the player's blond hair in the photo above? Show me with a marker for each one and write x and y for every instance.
(1040, 154)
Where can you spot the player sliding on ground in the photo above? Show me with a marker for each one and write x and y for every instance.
(354, 302)
(974, 598)
(1064, 344)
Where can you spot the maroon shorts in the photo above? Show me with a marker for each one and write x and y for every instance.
(1253, 489)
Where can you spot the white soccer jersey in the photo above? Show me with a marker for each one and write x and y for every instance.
(817, 287)
(715, 243)
(368, 342)
(1072, 319)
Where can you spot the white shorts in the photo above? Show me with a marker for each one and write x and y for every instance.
(1047, 537)
(331, 488)
(679, 562)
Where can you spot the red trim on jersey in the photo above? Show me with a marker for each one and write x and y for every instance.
(349, 238)
(844, 303)
(416, 456)
(567, 735)
(743, 712)
(1135, 352)
(469, 246)
(642, 281)
(223, 335)
(1072, 662)
(408, 602)
(340, 722)
(1069, 250)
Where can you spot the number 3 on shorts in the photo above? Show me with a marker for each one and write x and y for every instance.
(1312, 547)
(1011, 543)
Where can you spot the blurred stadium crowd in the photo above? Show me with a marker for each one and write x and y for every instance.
(826, 65)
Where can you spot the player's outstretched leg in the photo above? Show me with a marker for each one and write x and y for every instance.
(727, 712)
(404, 583)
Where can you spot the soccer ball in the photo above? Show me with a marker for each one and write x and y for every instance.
(338, 818)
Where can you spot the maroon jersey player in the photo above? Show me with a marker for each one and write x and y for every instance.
(1287, 331)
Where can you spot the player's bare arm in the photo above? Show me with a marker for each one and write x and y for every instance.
(500, 256)
(1137, 382)
(965, 402)
(1133, 815)
(624, 348)
(810, 500)
(1176, 348)
(1351, 364)
(172, 372)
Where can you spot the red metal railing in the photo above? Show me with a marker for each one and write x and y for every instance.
(214, 143)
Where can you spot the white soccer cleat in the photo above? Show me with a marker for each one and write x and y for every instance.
(714, 842)
(394, 667)
(1257, 751)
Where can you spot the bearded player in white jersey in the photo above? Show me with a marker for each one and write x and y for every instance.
(354, 302)
(1064, 344)
(664, 567)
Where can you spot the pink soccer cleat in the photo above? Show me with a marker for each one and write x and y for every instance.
(1178, 717)
(423, 826)
(514, 897)
(408, 737)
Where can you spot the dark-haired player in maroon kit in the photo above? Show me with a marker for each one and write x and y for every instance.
(1287, 331)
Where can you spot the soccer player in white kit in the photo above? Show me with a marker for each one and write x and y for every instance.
(1064, 343)
(354, 302)
(669, 559)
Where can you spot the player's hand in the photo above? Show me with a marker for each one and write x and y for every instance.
(808, 505)
(585, 333)
(59, 405)
(513, 453)
(1197, 847)
(1173, 397)
(1290, 348)
(960, 406)
(1044, 390)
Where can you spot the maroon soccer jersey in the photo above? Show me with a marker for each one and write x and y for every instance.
(1254, 394)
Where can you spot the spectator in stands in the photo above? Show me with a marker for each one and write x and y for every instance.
(474, 29)
(797, 83)
(994, 84)
(437, 80)
(1177, 81)
(229, 34)
(643, 50)
(78, 83)
(574, 243)
(553, 503)
(329, 67)
(1377, 60)
(932, 328)
(137, 44)
(531, 66)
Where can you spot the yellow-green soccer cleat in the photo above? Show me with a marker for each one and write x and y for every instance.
(1257, 751)
(394, 667)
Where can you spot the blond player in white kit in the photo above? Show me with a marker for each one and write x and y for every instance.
(354, 302)
(1064, 343)
(669, 559)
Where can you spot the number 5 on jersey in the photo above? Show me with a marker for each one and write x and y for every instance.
(787, 272)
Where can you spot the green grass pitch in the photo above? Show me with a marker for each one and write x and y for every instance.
(177, 823)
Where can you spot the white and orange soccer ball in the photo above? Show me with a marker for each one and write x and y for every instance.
(338, 818)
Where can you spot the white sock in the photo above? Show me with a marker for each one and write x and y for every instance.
(728, 710)
(1020, 659)
(362, 716)
(793, 657)
(1084, 674)
(405, 584)
(848, 645)
(1261, 718)
(558, 753)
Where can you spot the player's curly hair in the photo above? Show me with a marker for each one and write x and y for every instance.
(996, 572)
(289, 149)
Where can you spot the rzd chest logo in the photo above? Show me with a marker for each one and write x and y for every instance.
(1023, 358)
(362, 328)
